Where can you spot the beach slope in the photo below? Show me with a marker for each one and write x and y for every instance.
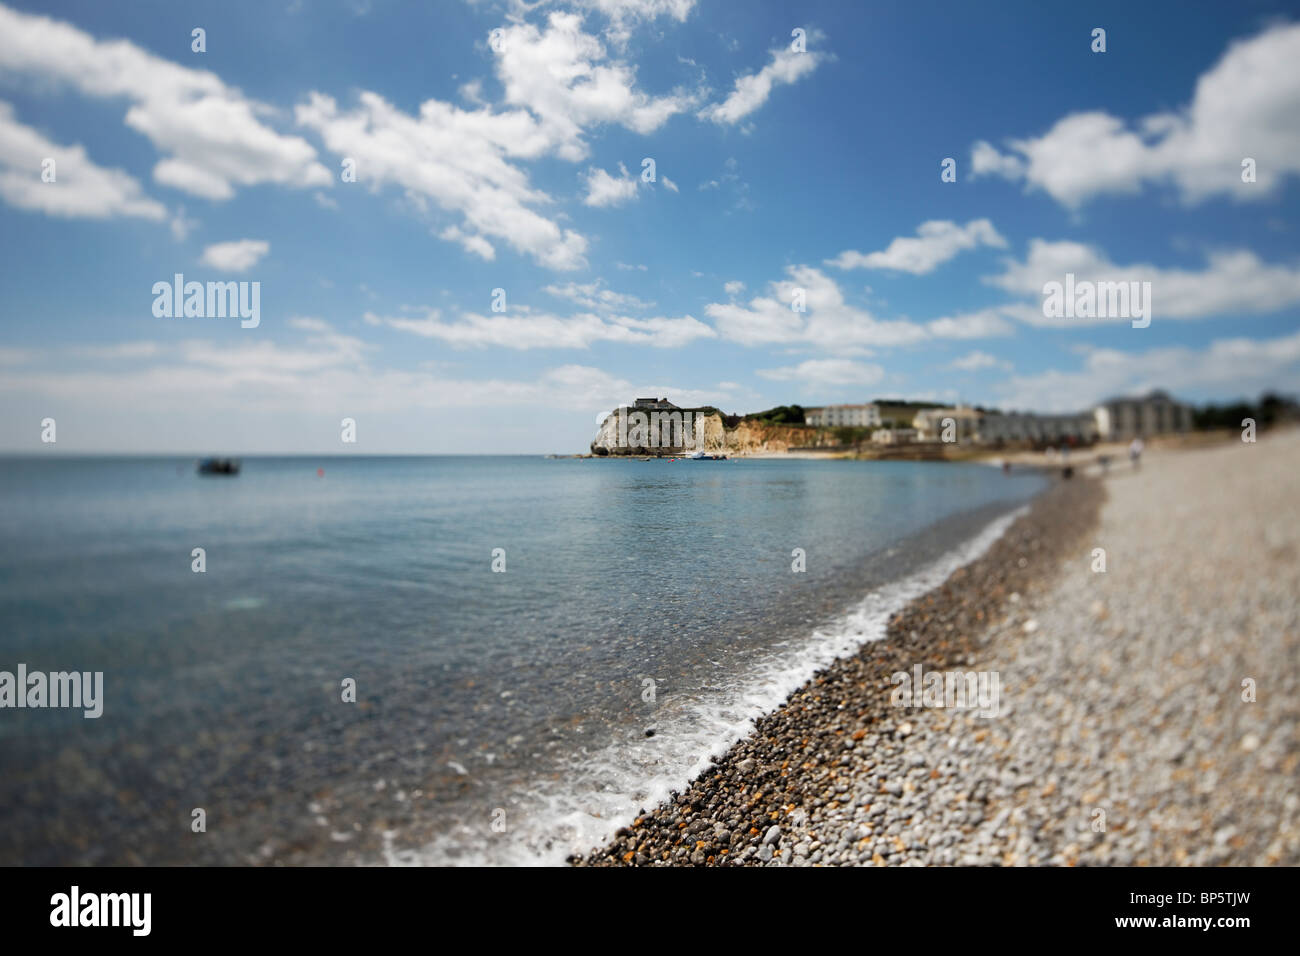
(1147, 714)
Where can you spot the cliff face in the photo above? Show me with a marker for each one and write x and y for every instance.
(747, 438)
(751, 437)
(706, 432)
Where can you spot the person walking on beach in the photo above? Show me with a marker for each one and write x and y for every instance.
(1135, 453)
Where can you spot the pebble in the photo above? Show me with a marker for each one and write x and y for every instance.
(1122, 738)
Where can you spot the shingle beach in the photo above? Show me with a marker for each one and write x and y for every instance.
(1126, 732)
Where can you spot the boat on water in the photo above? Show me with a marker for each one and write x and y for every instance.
(219, 466)
(703, 456)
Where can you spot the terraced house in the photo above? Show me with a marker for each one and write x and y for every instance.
(836, 416)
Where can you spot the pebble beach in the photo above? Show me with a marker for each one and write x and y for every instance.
(1148, 714)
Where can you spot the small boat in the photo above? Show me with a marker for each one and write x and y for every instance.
(219, 466)
(702, 456)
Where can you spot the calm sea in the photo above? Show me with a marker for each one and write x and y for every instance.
(647, 613)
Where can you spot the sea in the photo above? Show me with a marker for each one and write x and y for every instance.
(431, 660)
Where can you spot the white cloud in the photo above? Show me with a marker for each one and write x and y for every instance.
(326, 369)
(734, 287)
(181, 225)
(560, 81)
(594, 295)
(829, 322)
(460, 160)
(826, 372)
(562, 75)
(623, 15)
(1234, 282)
(1227, 367)
(983, 324)
(123, 350)
(80, 188)
(472, 92)
(669, 184)
(470, 242)
(10, 356)
(1245, 106)
(935, 243)
(643, 9)
(606, 190)
(752, 90)
(237, 256)
(251, 396)
(212, 137)
(215, 139)
(546, 331)
(974, 361)
(985, 160)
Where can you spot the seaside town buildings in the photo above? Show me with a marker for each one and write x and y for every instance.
(834, 416)
(663, 426)
(1116, 419)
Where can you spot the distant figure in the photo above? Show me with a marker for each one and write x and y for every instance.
(1135, 453)
(1104, 461)
(1006, 467)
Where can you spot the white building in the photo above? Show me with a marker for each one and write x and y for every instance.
(837, 416)
(1121, 419)
(654, 403)
(929, 423)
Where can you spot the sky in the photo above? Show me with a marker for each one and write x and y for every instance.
(476, 225)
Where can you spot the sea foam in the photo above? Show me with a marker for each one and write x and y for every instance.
(606, 789)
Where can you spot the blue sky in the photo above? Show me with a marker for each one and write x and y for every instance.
(514, 161)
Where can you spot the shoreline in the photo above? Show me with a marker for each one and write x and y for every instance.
(1144, 630)
(749, 806)
(1017, 454)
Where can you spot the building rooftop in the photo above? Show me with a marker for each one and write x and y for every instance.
(1155, 395)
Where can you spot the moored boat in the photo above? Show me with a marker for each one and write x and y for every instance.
(219, 466)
